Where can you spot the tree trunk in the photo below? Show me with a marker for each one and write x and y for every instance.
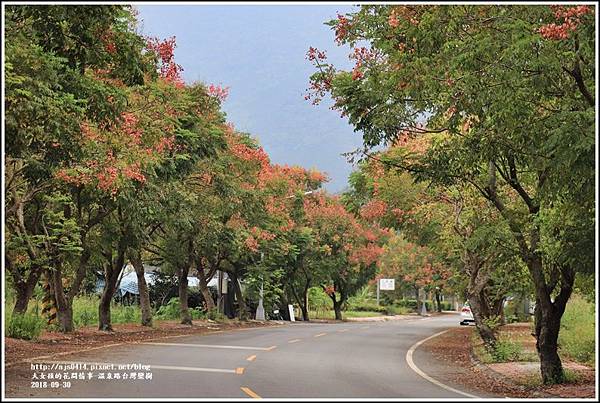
(547, 348)
(208, 299)
(304, 306)
(547, 318)
(23, 287)
(112, 273)
(136, 261)
(186, 318)
(480, 313)
(417, 298)
(24, 293)
(104, 320)
(64, 309)
(337, 309)
(242, 309)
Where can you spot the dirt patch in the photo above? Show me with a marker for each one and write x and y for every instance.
(52, 343)
(515, 380)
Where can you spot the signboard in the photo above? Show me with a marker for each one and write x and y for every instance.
(387, 284)
(291, 310)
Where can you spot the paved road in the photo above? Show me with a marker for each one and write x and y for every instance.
(336, 360)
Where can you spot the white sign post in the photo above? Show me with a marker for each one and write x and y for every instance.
(291, 311)
(385, 284)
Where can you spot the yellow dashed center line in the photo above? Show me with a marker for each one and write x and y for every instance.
(342, 330)
(320, 334)
(251, 358)
(249, 392)
(294, 341)
(239, 370)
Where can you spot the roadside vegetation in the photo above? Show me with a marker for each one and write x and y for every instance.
(577, 340)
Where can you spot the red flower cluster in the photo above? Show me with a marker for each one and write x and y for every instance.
(218, 92)
(373, 210)
(107, 39)
(129, 126)
(361, 55)
(169, 70)
(165, 143)
(341, 28)
(314, 54)
(571, 18)
(134, 172)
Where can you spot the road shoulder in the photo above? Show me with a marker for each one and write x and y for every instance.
(449, 359)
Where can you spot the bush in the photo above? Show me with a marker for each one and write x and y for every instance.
(215, 315)
(25, 326)
(318, 300)
(170, 310)
(364, 306)
(577, 337)
(126, 314)
(412, 304)
(506, 351)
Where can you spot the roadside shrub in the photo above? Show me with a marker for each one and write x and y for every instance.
(126, 314)
(412, 304)
(319, 301)
(493, 322)
(215, 315)
(506, 351)
(25, 326)
(85, 318)
(169, 311)
(363, 306)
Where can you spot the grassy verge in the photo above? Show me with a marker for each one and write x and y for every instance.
(576, 339)
(85, 313)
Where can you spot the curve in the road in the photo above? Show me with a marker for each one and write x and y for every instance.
(411, 364)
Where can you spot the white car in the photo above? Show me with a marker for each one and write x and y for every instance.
(466, 314)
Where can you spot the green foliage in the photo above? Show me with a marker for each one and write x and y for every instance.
(577, 337)
(171, 311)
(493, 322)
(507, 351)
(215, 315)
(318, 300)
(26, 326)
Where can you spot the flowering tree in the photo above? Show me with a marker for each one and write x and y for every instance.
(477, 73)
(350, 249)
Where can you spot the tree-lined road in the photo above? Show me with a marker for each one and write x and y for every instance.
(334, 360)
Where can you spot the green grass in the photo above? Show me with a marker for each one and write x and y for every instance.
(26, 326)
(577, 338)
(535, 380)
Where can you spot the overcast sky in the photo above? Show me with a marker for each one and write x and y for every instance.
(259, 52)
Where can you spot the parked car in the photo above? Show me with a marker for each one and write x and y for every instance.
(466, 315)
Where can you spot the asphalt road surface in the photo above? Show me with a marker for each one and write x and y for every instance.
(296, 360)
